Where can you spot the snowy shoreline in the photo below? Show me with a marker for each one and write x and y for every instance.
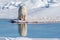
(25, 38)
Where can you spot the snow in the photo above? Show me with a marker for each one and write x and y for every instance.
(30, 4)
(25, 38)
(40, 8)
(18, 38)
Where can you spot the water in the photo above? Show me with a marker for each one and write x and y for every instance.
(51, 30)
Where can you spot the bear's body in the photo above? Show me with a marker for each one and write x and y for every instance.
(22, 15)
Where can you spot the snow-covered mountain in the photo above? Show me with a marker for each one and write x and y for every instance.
(30, 4)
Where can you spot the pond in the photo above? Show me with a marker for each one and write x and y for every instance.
(50, 30)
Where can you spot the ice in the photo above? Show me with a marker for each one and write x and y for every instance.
(22, 38)
(17, 38)
(26, 38)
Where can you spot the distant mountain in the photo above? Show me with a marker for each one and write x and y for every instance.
(30, 4)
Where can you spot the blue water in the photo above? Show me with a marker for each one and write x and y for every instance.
(51, 30)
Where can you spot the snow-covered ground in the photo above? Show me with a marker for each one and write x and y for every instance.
(24, 38)
(18, 38)
(38, 9)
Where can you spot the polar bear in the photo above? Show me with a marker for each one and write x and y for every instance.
(22, 13)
